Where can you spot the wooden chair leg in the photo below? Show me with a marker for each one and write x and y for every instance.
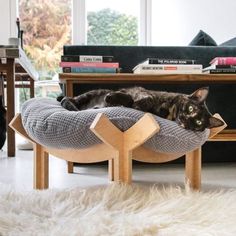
(193, 165)
(40, 167)
(70, 167)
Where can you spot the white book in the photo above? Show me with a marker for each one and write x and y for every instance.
(90, 58)
(167, 69)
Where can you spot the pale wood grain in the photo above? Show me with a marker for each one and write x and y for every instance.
(119, 148)
(193, 166)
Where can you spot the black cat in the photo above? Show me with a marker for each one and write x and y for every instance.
(189, 111)
(2, 123)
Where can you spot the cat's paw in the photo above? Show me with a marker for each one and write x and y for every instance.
(118, 99)
(68, 103)
(144, 104)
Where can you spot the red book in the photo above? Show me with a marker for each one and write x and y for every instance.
(90, 64)
(223, 61)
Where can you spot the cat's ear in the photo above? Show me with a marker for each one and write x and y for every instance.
(215, 122)
(200, 95)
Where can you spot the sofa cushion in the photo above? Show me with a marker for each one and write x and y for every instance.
(49, 124)
(129, 56)
(203, 39)
(230, 42)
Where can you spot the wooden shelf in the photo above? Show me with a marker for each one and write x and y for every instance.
(158, 78)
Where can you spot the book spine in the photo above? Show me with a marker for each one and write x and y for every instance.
(168, 69)
(168, 72)
(224, 61)
(90, 64)
(225, 67)
(221, 71)
(170, 61)
(171, 67)
(89, 70)
(86, 58)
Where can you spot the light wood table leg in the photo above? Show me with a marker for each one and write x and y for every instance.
(40, 167)
(70, 167)
(193, 166)
(111, 169)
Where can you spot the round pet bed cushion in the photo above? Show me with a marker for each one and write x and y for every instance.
(50, 125)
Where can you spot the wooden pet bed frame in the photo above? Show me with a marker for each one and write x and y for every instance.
(118, 147)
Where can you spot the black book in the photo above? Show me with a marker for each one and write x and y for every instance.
(169, 61)
(222, 67)
(86, 58)
(221, 71)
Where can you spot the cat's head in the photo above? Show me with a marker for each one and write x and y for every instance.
(193, 113)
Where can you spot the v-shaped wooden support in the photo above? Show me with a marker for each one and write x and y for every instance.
(124, 142)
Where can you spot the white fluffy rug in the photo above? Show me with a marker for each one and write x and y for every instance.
(117, 210)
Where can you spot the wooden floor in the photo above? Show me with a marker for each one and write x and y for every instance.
(18, 172)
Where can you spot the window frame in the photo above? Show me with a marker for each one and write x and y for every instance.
(79, 21)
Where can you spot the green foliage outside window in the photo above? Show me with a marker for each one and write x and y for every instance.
(108, 27)
(47, 27)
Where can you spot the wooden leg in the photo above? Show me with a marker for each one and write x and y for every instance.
(70, 167)
(124, 142)
(122, 167)
(127, 166)
(10, 77)
(40, 167)
(111, 169)
(69, 88)
(193, 165)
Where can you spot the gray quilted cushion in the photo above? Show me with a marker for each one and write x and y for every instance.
(51, 125)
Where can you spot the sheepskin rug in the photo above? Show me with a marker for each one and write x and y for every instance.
(117, 210)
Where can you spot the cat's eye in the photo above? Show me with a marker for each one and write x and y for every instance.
(198, 122)
(190, 109)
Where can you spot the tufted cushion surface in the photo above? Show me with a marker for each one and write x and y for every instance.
(49, 124)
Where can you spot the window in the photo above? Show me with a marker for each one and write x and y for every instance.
(47, 27)
(112, 22)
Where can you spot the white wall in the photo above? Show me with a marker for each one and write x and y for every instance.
(7, 20)
(176, 22)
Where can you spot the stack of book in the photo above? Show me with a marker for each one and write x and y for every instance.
(167, 66)
(88, 64)
(221, 65)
